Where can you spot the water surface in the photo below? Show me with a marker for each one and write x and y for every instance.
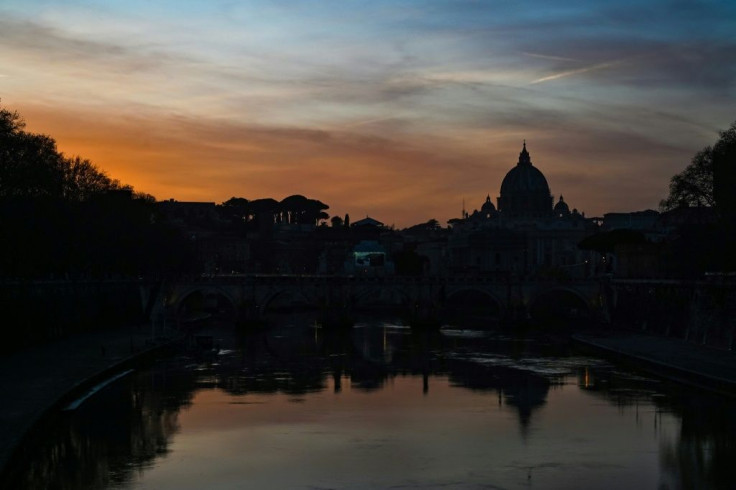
(381, 406)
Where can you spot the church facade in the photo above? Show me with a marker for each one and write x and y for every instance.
(527, 234)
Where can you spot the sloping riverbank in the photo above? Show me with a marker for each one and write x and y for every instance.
(37, 380)
(680, 361)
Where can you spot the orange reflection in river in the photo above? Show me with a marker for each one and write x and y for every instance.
(398, 436)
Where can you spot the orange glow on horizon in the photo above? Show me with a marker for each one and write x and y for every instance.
(398, 180)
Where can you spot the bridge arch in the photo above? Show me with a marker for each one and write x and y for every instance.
(466, 303)
(381, 296)
(200, 299)
(286, 299)
(558, 306)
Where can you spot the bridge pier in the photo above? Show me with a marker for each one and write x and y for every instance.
(336, 305)
(249, 314)
(425, 315)
(337, 317)
(516, 315)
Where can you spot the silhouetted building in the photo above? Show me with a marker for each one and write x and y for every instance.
(524, 191)
(526, 234)
(367, 221)
(682, 242)
(637, 220)
(369, 257)
(218, 248)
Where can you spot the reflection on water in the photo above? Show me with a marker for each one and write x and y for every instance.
(381, 405)
(111, 438)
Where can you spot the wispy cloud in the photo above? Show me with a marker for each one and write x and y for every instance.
(576, 71)
(367, 122)
(53, 46)
(549, 57)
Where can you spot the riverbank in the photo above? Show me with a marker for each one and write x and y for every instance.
(37, 380)
(684, 362)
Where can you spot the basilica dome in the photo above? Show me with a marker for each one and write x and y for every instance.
(488, 208)
(524, 191)
(561, 208)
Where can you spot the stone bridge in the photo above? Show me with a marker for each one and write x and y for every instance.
(423, 298)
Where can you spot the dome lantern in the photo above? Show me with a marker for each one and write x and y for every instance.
(524, 158)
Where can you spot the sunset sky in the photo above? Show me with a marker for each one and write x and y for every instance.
(394, 109)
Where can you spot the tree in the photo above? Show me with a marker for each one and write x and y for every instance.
(236, 203)
(264, 211)
(694, 185)
(82, 180)
(724, 190)
(64, 217)
(724, 174)
(30, 165)
(298, 209)
(429, 226)
(709, 180)
(336, 222)
(237, 209)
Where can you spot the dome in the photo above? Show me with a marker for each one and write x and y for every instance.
(488, 206)
(561, 208)
(524, 191)
(524, 177)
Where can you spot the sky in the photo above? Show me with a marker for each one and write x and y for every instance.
(401, 110)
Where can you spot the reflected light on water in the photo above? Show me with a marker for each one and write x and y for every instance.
(396, 436)
(382, 406)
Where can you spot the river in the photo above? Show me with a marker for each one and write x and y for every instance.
(383, 406)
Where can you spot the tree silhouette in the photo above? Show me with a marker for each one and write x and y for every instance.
(724, 190)
(82, 180)
(297, 209)
(238, 210)
(30, 165)
(694, 185)
(264, 210)
(709, 178)
(724, 173)
(64, 218)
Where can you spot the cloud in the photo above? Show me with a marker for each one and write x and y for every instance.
(576, 71)
(549, 57)
(56, 47)
(390, 109)
(196, 159)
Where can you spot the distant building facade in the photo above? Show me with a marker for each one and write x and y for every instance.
(528, 234)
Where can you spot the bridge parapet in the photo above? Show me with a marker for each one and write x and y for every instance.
(255, 293)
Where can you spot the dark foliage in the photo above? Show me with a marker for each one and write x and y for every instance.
(63, 218)
(710, 179)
